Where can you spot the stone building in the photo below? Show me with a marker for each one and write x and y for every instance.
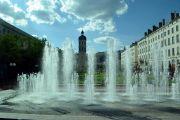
(163, 39)
(6, 28)
(82, 58)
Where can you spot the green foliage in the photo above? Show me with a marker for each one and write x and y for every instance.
(120, 78)
(81, 77)
(100, 78)
(24, 51)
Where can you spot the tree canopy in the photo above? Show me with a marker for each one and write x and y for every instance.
(24, 52)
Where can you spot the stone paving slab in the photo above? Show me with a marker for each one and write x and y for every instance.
(48, 117)
(55, 109)
(7, 94)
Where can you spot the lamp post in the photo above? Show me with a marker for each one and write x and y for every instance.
(12, 74)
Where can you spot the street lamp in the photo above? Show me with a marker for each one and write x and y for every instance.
(12, 64)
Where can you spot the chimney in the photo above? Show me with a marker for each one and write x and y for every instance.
(145, 34)
(154, 28)
(160, 24)
(173, 15)
(149, 31)
(163, 22)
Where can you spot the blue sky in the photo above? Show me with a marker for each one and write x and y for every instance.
(123, 20)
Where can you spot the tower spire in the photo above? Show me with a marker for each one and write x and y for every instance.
(82, 32)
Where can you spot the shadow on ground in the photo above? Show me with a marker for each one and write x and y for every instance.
(114, 114)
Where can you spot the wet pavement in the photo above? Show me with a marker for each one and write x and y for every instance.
(55, 109)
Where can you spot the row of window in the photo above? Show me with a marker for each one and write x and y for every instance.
(161, 35)
(170, 41)
(172, 30)
(165, 42)
(143, 50)
(172, 52)
(173, 61)
(146, 57)
(6, 31)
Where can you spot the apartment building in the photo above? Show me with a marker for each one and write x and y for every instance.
(162, 39)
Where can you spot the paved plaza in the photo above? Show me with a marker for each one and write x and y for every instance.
(56, 109)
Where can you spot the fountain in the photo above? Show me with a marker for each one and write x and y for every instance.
(38, 87)
(47, 81)
(165, 73)
(147, 80)
(155, 86)
(111, 69)
(50, 69)
(32, 83)
(69, 75)
(134, 87)
(89, 82)
(143, 80)
(128, 72)
(175, 88)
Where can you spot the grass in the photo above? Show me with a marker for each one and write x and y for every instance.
(100, 78)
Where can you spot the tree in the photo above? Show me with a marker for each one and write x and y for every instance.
(24, 52)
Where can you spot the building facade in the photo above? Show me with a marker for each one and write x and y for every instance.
(6, 28)
(162, 40)
(133, 50)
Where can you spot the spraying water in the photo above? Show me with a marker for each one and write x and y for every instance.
(164, 80)
(47, 81)
(69, 74)
(50, 68)
(111, 69)
(156, 67)
(89, 82)
(175, 88)
(128, 71)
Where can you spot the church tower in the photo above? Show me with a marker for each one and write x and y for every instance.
(82, 53)
(82, 43)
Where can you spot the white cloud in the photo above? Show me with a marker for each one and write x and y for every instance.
(40, 37)
(99, 25)
(98, 14)
(109, 40)
(44, 36)
(104, 39)
(44, 11)
(34, 35)
(12, 13)
(71, 18)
